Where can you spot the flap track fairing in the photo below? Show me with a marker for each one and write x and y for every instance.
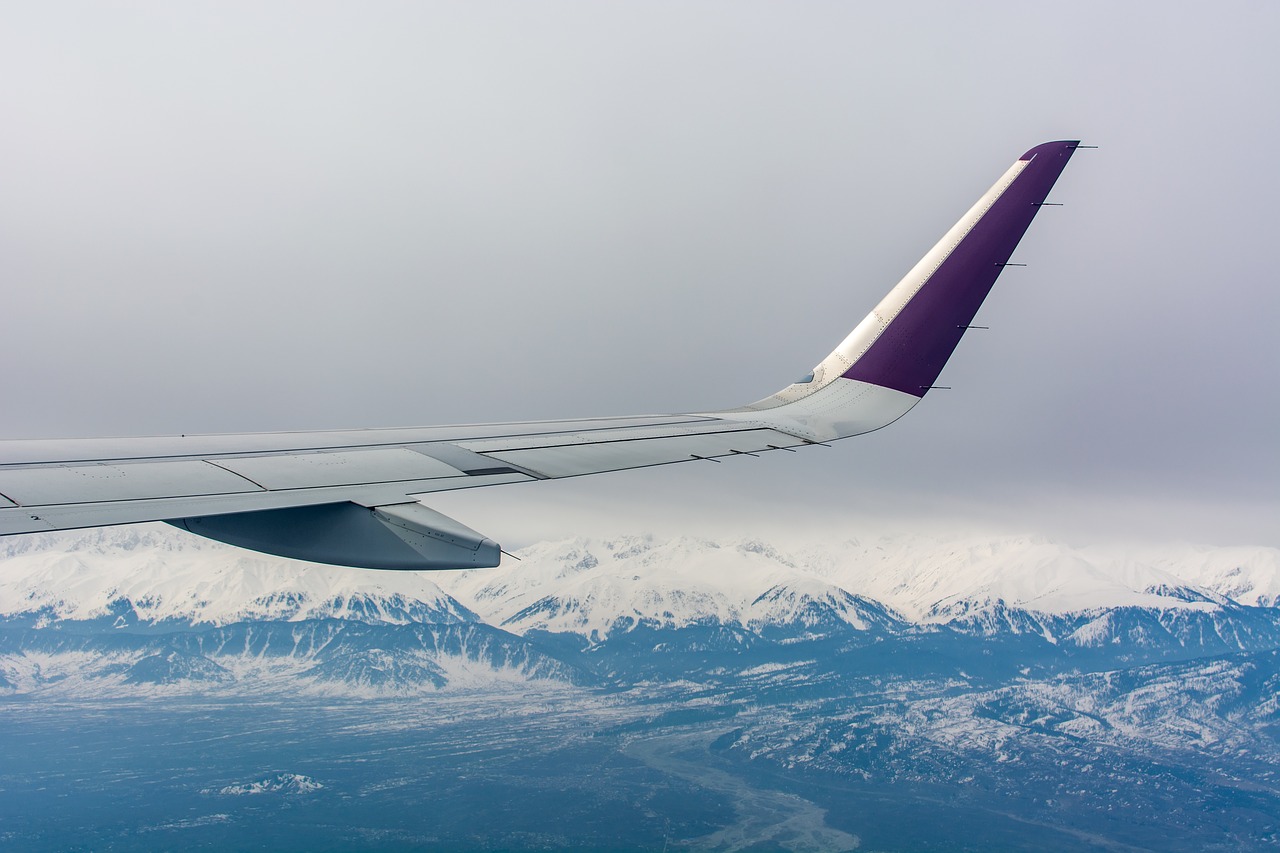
(404, 536)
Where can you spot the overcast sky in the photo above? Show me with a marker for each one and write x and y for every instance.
(257, 216)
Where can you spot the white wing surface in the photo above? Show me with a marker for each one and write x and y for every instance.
(351, 497)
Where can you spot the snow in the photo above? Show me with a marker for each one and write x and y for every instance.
(160, 573)
(594, 586)
(1249, 576)
(280, 783)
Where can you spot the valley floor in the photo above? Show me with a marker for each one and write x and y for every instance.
(569, 768)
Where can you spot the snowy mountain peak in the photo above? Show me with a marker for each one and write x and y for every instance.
(814, 605)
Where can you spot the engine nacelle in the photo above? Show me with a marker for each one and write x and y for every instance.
(407, 536)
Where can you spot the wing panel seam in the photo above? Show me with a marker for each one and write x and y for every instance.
(677, 420)
(237, 473)
(488, 451)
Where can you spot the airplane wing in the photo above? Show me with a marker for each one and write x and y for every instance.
(351, 497)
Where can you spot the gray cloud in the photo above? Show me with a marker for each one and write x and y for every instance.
(263, 216)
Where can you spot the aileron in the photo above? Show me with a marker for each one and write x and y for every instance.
(599, 457)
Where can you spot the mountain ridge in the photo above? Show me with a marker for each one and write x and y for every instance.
(152, 574)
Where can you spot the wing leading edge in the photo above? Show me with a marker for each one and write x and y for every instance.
(350, 497)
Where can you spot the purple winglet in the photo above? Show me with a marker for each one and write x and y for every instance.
(911, 351)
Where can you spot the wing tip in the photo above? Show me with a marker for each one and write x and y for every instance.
(1060, 146)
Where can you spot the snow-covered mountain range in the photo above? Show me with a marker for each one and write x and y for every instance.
(153, 605)
(154, 574)
(587, 586)
(156, 606)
